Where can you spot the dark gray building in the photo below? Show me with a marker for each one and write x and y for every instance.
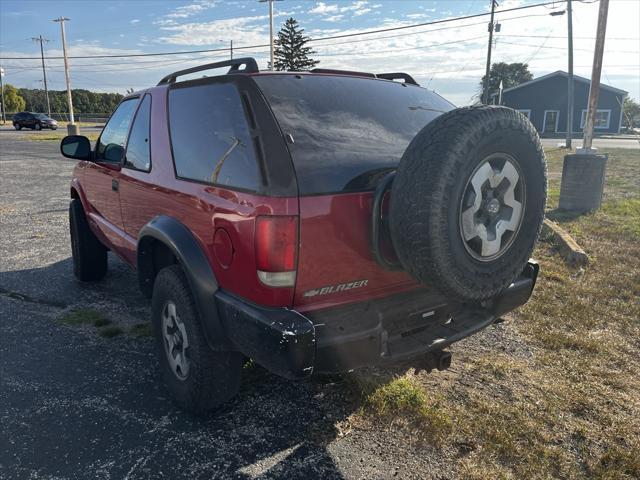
(544, 101)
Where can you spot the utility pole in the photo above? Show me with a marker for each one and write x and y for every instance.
(570, 80)
(485, 90)
(583, 173)
(271, 33)
(231, 49)
(41, 40)
(594, 89)
(72, 128)
(2, 96)
(271, 67)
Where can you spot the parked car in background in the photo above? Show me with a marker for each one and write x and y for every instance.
(34, 121)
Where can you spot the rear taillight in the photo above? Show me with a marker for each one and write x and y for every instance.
(276, 250)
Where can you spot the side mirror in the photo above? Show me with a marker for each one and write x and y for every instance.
(113, 153)
(76, 146)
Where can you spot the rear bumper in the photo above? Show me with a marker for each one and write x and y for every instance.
(386, 331)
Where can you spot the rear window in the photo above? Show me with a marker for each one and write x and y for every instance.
(347, 131)
(210, 137)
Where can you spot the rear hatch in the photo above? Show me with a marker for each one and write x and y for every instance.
(344, 134)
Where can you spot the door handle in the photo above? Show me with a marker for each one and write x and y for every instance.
(114, 185)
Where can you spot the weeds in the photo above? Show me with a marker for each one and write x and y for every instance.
(571, 409)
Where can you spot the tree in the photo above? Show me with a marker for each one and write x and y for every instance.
(84, 101)
(631, 113)
(511, 74)
(290, 51)
(13, 102)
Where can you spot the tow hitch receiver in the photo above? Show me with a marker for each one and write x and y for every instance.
(438, 360)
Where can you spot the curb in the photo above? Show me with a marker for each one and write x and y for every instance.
(568, 247)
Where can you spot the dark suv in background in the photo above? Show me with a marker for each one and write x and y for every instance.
(314, 222)
(34, 121)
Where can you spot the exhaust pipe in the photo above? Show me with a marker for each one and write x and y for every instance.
(444, 360)
(436, 361)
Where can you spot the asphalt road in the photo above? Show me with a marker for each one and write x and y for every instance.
(598, 143)
(76, 405)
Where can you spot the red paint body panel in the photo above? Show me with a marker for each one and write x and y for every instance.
(117, 217)
(333, 237)
(334, 249)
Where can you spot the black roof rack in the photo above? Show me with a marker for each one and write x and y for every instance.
(251, 66)
(343, 72)
(386, 76)
(398, 76)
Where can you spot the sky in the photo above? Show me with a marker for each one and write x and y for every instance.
(448, 58)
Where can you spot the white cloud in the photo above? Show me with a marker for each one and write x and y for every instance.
(252, 30)
(134, 21)
(186, 11)
(323, 9)
(361, 11)
(333, 18)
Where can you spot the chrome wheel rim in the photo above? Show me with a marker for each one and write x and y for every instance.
(492, 207)
(176, 343)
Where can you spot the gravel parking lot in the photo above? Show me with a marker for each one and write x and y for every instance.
(77, 405)
(552, 392)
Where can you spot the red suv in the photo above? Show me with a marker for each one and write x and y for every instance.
(313, 222)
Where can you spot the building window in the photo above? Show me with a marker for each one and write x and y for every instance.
(526, 113)
(602, 119)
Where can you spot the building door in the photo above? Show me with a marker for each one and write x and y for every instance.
(550, 121)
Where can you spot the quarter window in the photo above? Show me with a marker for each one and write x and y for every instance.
(210, 138)
(138, 155)
(110, 147)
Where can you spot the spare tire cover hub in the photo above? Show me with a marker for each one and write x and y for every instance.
(492, 207)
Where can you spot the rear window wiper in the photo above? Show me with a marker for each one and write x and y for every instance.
(223, 158)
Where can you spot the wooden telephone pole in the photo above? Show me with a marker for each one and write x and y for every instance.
(485, 90)
(596, 71)
(72, 128)
(41, 41)
(583, 174)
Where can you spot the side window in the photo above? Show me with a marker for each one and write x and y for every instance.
(210, 138)
(138, 155)
(110, 147)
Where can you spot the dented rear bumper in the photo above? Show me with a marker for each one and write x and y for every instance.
(376, 332)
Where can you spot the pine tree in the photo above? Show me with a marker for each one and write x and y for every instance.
(290, 52)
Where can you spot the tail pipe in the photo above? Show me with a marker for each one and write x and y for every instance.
(439, 360)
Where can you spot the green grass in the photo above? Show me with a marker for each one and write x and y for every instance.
(85, 316)
(110, 331)
(88, 316)
(59, 135)
(570, 406)
(141, 330)
(404, 398)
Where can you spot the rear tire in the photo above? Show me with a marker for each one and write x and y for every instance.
(89, 255)
(199, 378)
(38, 126)
(17, 127)
(468, 201)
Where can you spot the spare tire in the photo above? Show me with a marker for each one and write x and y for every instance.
(468, 199)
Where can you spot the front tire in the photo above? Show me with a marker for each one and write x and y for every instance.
(89, 255)
(198, 378)
(38, 126)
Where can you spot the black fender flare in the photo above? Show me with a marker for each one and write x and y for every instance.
(187, 250)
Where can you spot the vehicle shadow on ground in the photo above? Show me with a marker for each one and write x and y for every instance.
(81, 405)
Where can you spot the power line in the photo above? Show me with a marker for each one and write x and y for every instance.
(332, 37)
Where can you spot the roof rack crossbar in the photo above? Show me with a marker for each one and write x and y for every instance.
(343, 72)
(398, 76)
(251, 66)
